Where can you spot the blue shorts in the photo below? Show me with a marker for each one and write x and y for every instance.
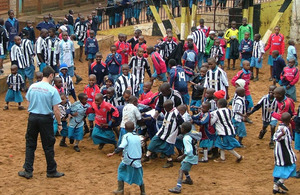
(122, 132)
(297, 141)
(80, 43)
(160, 146)
(243, 59)
(71, 71)
(250, 101)
(270, 60)
(136, 13)
(64, 131)
(75, 133)
(13, 96)
(42, 66)
(273, 123)
(200, 59)
(284, 172)
(255, 63)
(2, 56)
(111, 20)
(130, 174)
(91, 116)
(227, 53)
(240, 128)
(162, 77)
(175, 3)
(196, 103)
(10, 44)
(29, 72)
(221, 62)
(22, 73)
(186, 98)
(100, 19)
(91, 56)
(186, 166)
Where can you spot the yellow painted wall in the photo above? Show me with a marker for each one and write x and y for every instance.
(268, 11)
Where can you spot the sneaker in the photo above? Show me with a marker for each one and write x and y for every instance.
(168, 164)
(202, 160)
(219, 160)
(252, 77)
(188, 181)
(63, 144)
(262, 134)
(78, 80)
(71, 141)
(100, 147)
(145, 159)
(248, 120)
(256, 79)
(270, 79)
(76, 148)
(25, 174)
(239, 159)
(297, 175)
(278, 192)
(175, 190)
(282, 186)
(5, 108)
(242, 145)
(55, 175)
(271, 145)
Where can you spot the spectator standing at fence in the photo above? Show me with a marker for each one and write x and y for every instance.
(94, 24)
(203, 28)
(245, 27)
(118, 9)
(45, 24)
(3, 44)
(275, 42)
(137, 8)
(100, 11)
(127, 4)
(71, 21)
(231, 36)
(12, 27)
(110, 12)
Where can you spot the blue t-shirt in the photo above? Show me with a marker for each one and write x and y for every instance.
(42, 97)
(77, 121)
(189, 150)
(132, 152)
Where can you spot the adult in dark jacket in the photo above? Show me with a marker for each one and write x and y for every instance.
(12, 27)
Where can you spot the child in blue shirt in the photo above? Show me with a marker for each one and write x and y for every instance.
(113, 63)
(30, 29)
(291, 52)
(91, 47)
(278, 66)
(245, 48)
(189, 57)
(190, 156)
(179, 79)
(130, 169)
(78, 113)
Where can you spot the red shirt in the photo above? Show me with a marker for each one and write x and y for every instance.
(275, 42)
(166, 38)
(60, 90)
(127, 50)
(204, 29)
(104, 112)
(289, 76)
(223, 46)
(146, 98)
(91, 93)
(242, 74)
(286, 105)
(137, 46)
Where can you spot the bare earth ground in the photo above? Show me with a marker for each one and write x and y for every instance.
(91, 172)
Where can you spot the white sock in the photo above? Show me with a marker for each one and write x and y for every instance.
(205, 153)
(282, 180)
(148, 153)
(275, 187)
(222, 152)
(235, 153)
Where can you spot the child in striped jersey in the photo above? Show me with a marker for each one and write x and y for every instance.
(15, 84)
(267, 104)
(139, 64)
(209, 97)
(225, 131)
(164, 140)
(285, 157)
(189, 158)
(207, 131)
(67, 81)
(17, 57)
(110, 97)
(126, 81)
(257, 55)
(239, 114)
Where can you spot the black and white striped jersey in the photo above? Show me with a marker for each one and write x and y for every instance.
(222, 120)
(28, 52)
(175, 96)
(216, 79)
(17, 56)
(239, 106)
(67, 83)
(265, 103)
(283, 151)
(16, 81)
(41, 48)
(81, 31)
(113, 101)
(3, 40)
(258, 49)
(138, 66)
(200, 40)
(52, 48)
(170, 127)
(169, 48)
(126, 82)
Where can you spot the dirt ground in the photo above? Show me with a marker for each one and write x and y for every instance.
(91, 172)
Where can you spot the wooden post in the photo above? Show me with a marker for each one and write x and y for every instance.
(17, 8)
(78, 3)
(40, 6)
(194, 13)
(184, 8)
(61, 4)
(175, 28)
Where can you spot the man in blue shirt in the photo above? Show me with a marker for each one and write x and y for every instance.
(42, 97)
(45, 24)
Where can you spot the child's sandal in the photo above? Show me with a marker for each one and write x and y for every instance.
(21, 108)
(5, 108)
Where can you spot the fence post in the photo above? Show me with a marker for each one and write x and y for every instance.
(184, 8)
(40, 6)
(175, 28)
(251, 11)
(78, 3)
(157, 18)
(61, 4)
(194, 13)
(245, 6)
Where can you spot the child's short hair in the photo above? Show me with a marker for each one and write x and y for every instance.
(24, 32)
(98, 53)
(128, 92)
(62, 94)
(186, 127)
(52, 30)
(222, 103)
(113, 46)
(191, 45)
(81, 96)
(1, 21)
(291, 42)
(221, 34)
(193, 29)
(91, 31)
(258, 35)
(172, 62)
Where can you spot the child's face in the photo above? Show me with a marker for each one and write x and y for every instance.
(233, 24)
(18, 41)
(169, 38)
(98, 101)
(212, 36)
(168, 108)
(29, 24)
(146, 88)
(11, 15)
(14, 70)
(274, 55)
(291, 63)
(84, 100)
(108, 83)
(279, 97)
(126, 97)
(65, 36)
(190, 41)
(246, 66)
(244, 21)
(246, 36)
(202, 73)
(141, 40)
(98, 58)
(136, 34)
(110, 93)
(211, 65)
(58, 83)
(64, 71)
(204, 108)
(63, 99)
(256, 37)
(51, 33)
(271, 92)
(125, 71)
(209, 94)
(276, 30)
(92, 81)
(89, 17)
(93, 13)
(217, 43)
(113, 50)
(140, 53)
(92, 34)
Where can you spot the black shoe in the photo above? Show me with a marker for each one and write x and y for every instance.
(78, 80)
(278, 192)
(71, 141)
(262, 134)
(282, 186)
(188, 181)
(248, 120)
(100, 147)
(297, 175)
(168, 164)
(153, 155)
(63, 144)
(145, 159)
(55, 175)
(76, 148)
(175, 190)
(271, 145)
(25, 174)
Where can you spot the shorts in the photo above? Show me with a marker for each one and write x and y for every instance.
(250, 101)
(13, 96)
(186, 166)
(273, 123)
(297, 141)
(270, 60)
(29, 72)
(71, 71)
(160, 77)
(75, 133)
(160, 146)
(100, 19)
(255, 63)
(175, 3)
(227, 53)
(91, 56)
(196, 103)
(42, 66)
(22, 73)
(240, 128)
(91, 117)
(221, 62)
(80, 43)
(2, 56)
(186, 98)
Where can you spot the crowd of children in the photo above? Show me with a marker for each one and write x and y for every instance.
(119, 95)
